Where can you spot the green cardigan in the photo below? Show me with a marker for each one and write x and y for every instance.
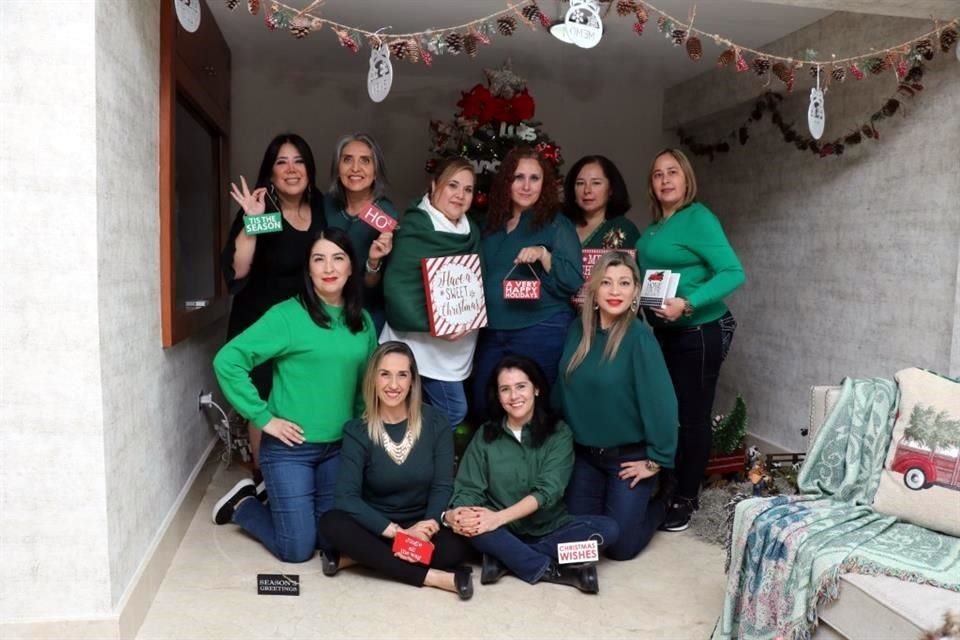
(626, 400)
(317, 372)
(499, 474)
(413, 240)
(692, 242)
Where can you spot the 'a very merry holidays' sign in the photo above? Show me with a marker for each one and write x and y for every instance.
(454, 291)
(590, 257)
(378, 219)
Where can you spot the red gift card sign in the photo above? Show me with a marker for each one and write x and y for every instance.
(590, 257)
(378, 219)
(521, 289)
(586, 551)
(454, 292)
(412, 549)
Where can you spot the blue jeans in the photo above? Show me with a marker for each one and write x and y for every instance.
(543, 343)
(596, 489)
(300, 482)
(446, 396)
(528, 557)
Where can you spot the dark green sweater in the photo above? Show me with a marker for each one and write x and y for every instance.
(376, 491)
(500, 249)
(499, 474)
(317, 372)
(692, 243)
(626, 400)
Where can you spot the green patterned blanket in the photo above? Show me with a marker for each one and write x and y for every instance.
(788, 552)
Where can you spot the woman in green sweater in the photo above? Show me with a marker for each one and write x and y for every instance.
(526, 236)
(319, 343)
(615, 393)
(508, 497)
(396, 475)
(596, 200)
(695, 328)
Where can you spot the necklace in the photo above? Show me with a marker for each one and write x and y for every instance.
(398, 451)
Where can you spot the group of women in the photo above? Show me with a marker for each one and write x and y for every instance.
(580, 409)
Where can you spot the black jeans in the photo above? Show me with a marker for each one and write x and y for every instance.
(353, 540)
(693, 356)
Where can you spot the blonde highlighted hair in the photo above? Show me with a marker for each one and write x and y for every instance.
(689, 195)
(590, 316)
(414, 401)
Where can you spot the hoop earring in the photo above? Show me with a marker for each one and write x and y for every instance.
(272, 192)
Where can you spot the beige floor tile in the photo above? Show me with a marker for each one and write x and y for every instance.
(673, 590)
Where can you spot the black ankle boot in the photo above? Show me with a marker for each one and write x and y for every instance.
(463, 581)
(581, 576)
(492, 570)
(329, 563)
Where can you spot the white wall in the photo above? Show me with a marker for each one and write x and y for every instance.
(851, 261)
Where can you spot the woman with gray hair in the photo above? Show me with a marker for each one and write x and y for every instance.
(358, 181)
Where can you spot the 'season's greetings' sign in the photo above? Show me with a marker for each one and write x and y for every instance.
(454, 291)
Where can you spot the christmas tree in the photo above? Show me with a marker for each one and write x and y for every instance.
(493, 119)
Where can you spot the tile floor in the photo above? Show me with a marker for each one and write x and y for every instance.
(674, 589)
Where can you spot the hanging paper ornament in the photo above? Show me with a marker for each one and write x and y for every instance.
(901, 68)
(470, 45)
(268, 21)
(380, 75)
(741, 63)
(427, 57)
(455, 43)
(582, 22)
(678, 36)
(816, 115)
(545, 21)
(347, 41)
(482, 38)
(785, 74)
(948, 37)
(253, 6)
(924, 48)
(506, 25)
(638, 27)
(626, 7)
(856, 71)
(531, 12)
(694, 48)
(726, 58)
(761, 66)
(839, 74)
(232, 4)
(188, 15)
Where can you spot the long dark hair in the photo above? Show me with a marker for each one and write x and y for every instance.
(617, 205)
(313, 195)
(501, 201)
(352, 290)
(543, 424)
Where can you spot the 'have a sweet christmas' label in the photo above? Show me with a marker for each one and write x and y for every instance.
(454, 292)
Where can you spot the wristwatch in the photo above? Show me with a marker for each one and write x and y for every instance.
(652, 466)
(687, 307)
(443, 520)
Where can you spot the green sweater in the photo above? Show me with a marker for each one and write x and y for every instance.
(557, 287)
(317, 372)
(499, 474)
(692, 243)
(376, 491)
(626, 400)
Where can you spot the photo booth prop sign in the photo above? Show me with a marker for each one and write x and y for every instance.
(514, 289)
(658, 286)
(377, 218)
(412, 549)
(585, 551)
(590, 257)
(454, 292)
(278, 584)
(262, 223)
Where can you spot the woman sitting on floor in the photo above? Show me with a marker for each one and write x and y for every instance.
(509, 490)
(396, 476)
(319, 343)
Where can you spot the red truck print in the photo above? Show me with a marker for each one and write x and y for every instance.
(932, 456)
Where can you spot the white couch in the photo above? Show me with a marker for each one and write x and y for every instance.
(876, 607)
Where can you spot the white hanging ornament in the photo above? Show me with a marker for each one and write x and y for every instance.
(582, 23)
(188, 14)
(816, 116)
(380, 75)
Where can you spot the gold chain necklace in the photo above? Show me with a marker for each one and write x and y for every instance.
(398, 451)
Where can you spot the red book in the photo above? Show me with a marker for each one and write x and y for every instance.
(412, 549)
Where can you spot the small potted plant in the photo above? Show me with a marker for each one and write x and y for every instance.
(729, 432)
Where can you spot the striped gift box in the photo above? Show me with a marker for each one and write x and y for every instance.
(454, 291)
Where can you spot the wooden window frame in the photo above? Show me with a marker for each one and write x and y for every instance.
(177, 80)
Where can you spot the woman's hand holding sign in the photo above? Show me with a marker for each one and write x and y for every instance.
(252, 203)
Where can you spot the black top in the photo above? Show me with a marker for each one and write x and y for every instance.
(276, 271)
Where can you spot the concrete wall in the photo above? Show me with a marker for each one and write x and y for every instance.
(852, 261)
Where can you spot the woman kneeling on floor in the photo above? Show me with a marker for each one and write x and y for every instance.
(396, 476)
(508, 497)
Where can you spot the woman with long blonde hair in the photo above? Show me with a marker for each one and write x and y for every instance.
(396, 476)
(615, 393)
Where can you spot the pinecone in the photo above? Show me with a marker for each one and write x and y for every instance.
(694, 48)
(253, 6)
(948, 38)
(470, 45)
(454, 43)
(232, 4)
(400, 49)
(506, 26)
(839, 74)
(813, 72)
(531, 12)
(642, 15)
(299, 31)
(925, 48)
(626, 7)
(726, 58)
(678, 36)
(761, 66)
(785, 74)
